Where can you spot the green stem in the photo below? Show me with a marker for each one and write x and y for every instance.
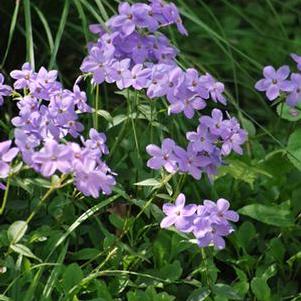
(5, 195)
(180, 185)
(207, 276)
(133, 123)
(96, 108)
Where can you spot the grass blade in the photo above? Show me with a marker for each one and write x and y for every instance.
(29, 36)
(46, 27)
(90, 212)
(11, 31)
(59, 33)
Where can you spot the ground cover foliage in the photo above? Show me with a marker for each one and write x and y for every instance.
(61, 241)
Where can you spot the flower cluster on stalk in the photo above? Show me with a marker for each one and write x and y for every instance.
(132, 53)
(209, 222)
(214, 138)
(48, 113)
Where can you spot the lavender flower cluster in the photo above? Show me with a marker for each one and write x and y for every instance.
(47, 114)
(282, 82)
(209, 222)
(215, 138)
(130, 53)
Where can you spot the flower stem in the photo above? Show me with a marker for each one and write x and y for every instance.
(5, 195)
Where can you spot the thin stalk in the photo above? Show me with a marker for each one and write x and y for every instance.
(133, 124)
(96, 107)
(5, 195)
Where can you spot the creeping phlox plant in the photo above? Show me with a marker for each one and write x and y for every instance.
(131, 52)
(48, 114)
(282, 83)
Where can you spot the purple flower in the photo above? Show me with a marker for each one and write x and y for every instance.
(52, 157)
(23, 77)
(124, 20)
(178, 215)
(120, 73)
(297, 59)
(97, 142)
(61, 107)
(274, 81)
(174, 80)
(214, 88)
(174, 17)
(161, 51)
(7, 154)
(74, 128)
(80, 99)
(202, 139)
(28, 121)
(90, 180)
(96, 29)
(96, 63)
(186, 103)
(107, 44)
(5, 90)
(189, 161)
(44, 83)
(140, 77)
(215, 123)
(212, 234)
(28, 104)
(194, 84)
(295, 96)
(162, 157)
(233, 137)
(26, 144)
(219, 212)
(144, 18)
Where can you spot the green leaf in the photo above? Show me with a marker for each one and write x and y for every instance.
(172, 271)
(227, 291)
(200, 294)
(149, 182)
(272, 215)
(242, 171)
(248, 126)
(245, 234)
(288, 113)
(294, 148)
(85, 254)
(261, 289)
(72, 276)
(24, 251)
(116, 221)
(106, 115)
(242, 286)
(277, 249)
(16, 231)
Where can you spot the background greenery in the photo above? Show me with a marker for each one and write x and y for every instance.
(78, 248)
